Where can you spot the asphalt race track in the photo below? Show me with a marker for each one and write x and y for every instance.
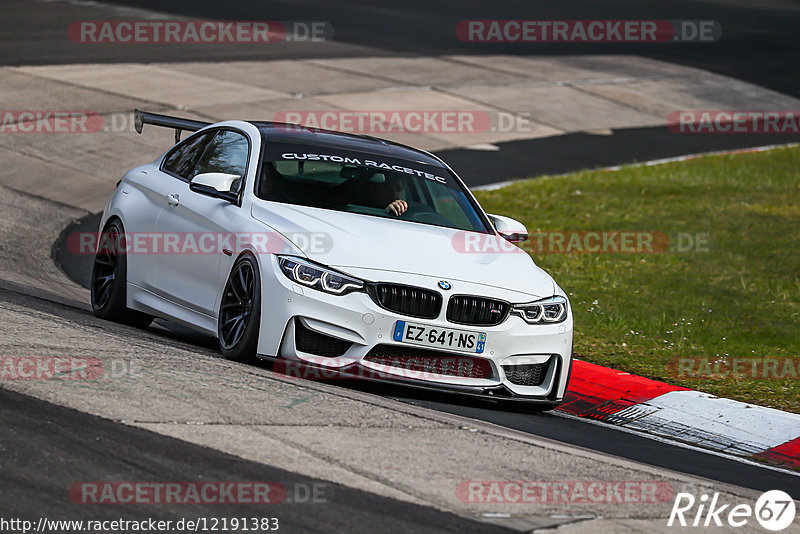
(40, 460)
(759, 46)
(759, 41)
(552, 426)
(577, 151)
(45, 447)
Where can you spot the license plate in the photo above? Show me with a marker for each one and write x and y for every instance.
(443, 338)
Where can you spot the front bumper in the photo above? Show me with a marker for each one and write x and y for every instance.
(361, 324)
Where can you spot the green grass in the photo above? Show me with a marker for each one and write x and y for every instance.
(738, 299)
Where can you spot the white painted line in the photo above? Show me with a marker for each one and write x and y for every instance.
(668, 441)
(717, 423)
(765, 148)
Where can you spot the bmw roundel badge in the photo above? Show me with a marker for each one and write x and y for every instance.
(444, 285)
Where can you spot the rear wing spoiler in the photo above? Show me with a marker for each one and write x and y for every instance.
(140, 118)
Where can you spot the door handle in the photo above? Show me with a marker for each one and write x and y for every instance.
(173, 199)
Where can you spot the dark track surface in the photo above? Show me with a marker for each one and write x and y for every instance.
(759, 44)
(578, 151)
(759, 38)
(610, 440)
(47, 448)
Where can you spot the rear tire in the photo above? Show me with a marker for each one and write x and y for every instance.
(239, 317)
(109, 280)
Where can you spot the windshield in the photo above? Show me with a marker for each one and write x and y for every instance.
(368, 185)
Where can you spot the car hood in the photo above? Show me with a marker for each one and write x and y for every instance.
(347, 240)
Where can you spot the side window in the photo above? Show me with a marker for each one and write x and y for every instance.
(182, 160)
(226, 153)
(450, 203)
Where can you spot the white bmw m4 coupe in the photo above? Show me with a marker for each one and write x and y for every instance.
(337, 254)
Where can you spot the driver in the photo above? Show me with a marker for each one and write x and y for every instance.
(380, 191)
(389, 190)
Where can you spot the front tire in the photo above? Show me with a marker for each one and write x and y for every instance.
(109, 280)
(240, 311)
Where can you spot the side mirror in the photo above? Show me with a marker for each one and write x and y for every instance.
(510, 229)
(216, 184)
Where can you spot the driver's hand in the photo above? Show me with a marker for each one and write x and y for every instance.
(397, 208)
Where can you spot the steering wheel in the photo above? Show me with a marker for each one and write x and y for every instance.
(422, 213)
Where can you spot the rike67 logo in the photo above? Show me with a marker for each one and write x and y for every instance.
(774, 510)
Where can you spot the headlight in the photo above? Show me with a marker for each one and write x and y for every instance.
(545, 311)
(318, 277)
